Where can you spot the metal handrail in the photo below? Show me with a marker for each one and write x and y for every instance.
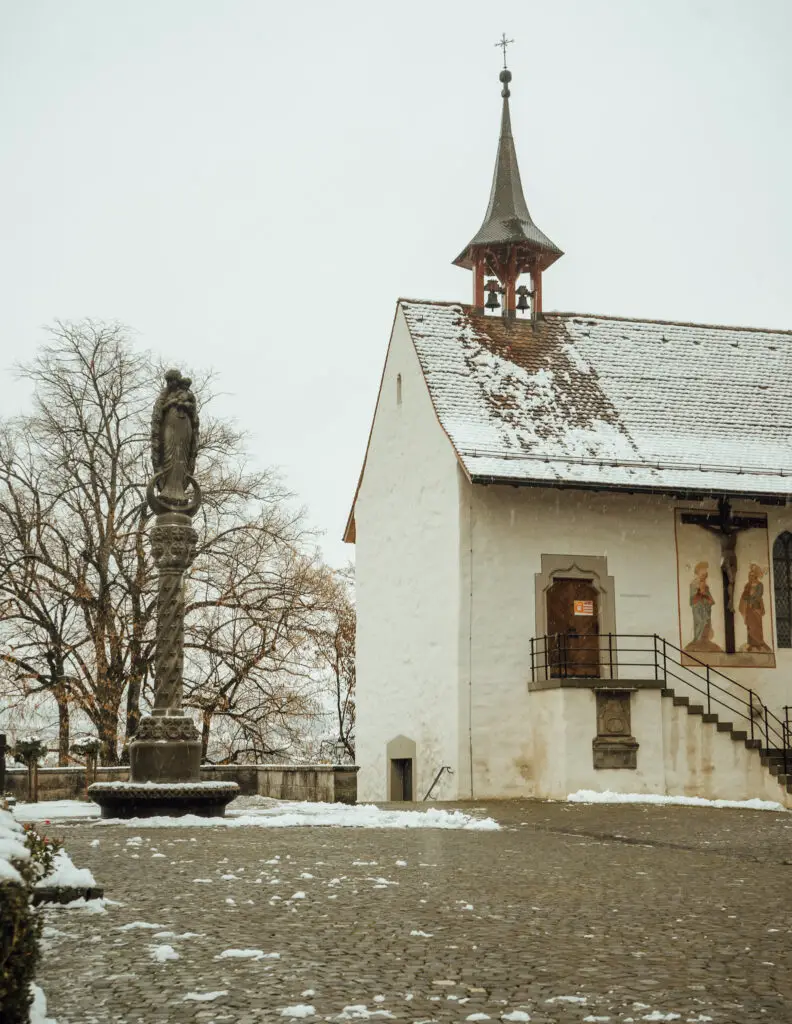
(550, 658)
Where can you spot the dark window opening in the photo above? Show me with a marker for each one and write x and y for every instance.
(782, 582)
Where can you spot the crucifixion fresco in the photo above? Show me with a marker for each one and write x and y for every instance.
(722, 561)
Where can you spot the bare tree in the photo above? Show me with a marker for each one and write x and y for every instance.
(75, 570)
(334, 639)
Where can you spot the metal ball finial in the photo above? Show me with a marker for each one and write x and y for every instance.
(505, 77)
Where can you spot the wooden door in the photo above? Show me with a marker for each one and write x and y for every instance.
(573, 627)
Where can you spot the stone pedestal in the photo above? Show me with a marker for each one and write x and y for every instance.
(165, 773)
(166, 748)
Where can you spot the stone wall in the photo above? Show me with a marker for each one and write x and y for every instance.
(317, 783)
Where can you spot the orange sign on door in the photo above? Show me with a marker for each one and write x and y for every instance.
(583, 607)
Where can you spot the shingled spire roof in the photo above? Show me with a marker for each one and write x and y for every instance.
(507, 221)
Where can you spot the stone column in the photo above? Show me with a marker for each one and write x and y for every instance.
(166, 747)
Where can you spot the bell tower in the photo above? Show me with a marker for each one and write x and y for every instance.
(508, 244)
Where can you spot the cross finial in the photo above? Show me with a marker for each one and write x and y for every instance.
(503, 42)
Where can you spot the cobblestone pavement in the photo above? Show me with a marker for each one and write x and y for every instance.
(568, 914)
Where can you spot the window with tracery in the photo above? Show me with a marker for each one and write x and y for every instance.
(782, 572)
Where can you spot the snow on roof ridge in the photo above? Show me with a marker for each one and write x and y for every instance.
(466, 306)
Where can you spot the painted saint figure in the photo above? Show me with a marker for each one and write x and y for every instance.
(701, 602)
(752, 609)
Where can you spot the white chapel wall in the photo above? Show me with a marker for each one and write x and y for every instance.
(407, 580)
(511, 529)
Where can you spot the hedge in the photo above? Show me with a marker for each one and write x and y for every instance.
(19, 948)
(19, 952)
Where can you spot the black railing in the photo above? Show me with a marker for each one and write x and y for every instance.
(649, 656)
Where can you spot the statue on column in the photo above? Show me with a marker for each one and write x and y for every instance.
(165, 752)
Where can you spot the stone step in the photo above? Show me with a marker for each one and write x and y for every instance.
(695, 709)
(667, 692)
(725, 726)
(739, 735)
(753, 744)
(681, 702)
(710, 719)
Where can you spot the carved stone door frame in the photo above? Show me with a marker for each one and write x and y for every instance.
(593, 568)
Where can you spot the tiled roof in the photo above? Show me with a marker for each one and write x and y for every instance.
(610, 402)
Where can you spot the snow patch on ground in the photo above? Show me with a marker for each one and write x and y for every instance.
(38, 1009)
(163, 952)
(360, 1011)
(97, 906)
(589, 796)
(247, 954)
(272, 814)
(204, 997)
(64, 873)
(137, 924)
(518, 1015)
(49, 810)
(298, 1010)
(295, 814)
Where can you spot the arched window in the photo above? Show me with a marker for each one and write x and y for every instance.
(782, 572)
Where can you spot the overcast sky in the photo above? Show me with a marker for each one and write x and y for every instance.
(251, 184)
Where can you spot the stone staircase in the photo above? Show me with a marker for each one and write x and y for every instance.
(771, 758)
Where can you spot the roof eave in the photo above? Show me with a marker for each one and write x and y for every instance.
(684, 493)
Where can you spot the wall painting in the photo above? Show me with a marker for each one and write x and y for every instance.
(723, 571)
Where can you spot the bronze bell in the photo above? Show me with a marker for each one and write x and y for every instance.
(493, 301)
(522, 300)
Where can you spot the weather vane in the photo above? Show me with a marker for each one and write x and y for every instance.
(503, 42)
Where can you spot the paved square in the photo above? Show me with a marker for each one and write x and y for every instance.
(568, 914)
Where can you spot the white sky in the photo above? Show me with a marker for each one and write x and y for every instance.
(251, 184)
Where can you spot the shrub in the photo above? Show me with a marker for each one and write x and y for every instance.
(29, 750)
(42, 852)
(19, 949)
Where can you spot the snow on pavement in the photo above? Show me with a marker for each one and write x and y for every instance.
(38, 1009)
(275, 814)
(163, 952)
(247, 954)
(589, 796)
(50, 810)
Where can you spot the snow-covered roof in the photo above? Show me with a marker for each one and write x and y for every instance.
(610, 402)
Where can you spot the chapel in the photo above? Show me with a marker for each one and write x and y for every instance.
(569, 578)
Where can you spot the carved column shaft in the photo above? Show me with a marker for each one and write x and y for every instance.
(173, 543)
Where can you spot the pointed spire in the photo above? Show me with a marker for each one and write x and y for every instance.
(508, 243)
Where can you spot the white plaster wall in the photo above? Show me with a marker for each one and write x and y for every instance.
(505, 531)
(678, 754)
(564, 724)
(407, 581)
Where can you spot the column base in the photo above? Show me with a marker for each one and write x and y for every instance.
(173, 800)
(165, 749)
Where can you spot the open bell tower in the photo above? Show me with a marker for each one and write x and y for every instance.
(508, 244)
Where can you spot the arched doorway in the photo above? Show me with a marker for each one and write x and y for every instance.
(573, 627)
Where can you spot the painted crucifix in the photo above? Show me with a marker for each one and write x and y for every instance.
(727, 525)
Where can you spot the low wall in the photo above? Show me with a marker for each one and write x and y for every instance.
(323, 783)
